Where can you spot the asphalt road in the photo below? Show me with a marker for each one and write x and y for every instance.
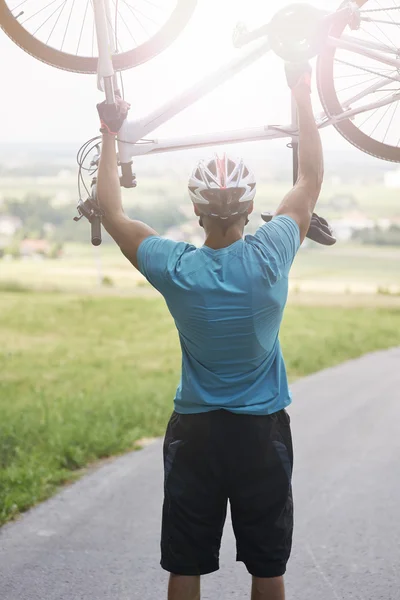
(99, 538)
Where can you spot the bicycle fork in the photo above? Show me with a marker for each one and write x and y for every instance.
(107, 47)
(107, 82)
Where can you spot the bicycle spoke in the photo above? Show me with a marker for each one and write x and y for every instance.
(368, 20)
(391, 46)
(367, 70)
(135, 17)
(390, 17)
(376, 21)
(152, 4)
(38, 12)
(55, 24)
(61, 6)
(364, 83)
(357, 84)
(375, 113)
(145, 16)
(356, 75)
(376, 10)
(366, 120)
(376, 38)
(68, 22)
(370, 115)
(127, 28)
(381, 119)
(385, 11)
(386, 36)
(83, 25)
(20, 4)
(391, 121)
(69, 27)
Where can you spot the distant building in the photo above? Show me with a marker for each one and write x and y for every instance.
(353, 221)
(34, 247)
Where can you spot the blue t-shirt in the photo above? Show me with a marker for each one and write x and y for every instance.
(228, 306)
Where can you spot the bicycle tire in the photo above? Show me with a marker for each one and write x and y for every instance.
(88, 64)
(332, 106)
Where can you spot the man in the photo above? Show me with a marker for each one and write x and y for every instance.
(229, 436)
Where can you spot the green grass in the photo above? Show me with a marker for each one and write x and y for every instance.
(360, 269)
(348, 267)
(85, 378)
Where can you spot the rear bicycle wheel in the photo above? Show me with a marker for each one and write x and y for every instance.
(61, 33)
(347, 80)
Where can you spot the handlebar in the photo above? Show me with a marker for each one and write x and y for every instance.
(95, 225)
(93, 213)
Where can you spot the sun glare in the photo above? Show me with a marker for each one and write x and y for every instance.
(254, 97)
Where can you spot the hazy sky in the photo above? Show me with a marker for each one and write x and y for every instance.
(41, 103)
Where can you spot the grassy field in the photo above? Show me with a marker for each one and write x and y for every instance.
(339, 269)
(86, 377)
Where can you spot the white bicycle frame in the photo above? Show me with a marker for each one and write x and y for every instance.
(135, 130)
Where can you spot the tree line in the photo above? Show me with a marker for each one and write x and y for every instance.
(377, 236)
(41, 219)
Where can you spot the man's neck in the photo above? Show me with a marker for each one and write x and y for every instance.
(216, 240)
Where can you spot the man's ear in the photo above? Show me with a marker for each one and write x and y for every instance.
(251, 208)
(196, 210)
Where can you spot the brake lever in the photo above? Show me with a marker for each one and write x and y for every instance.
(93, 213)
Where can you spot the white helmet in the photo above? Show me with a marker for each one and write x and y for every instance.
(222, 187)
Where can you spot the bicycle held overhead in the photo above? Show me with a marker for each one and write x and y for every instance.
(357, 44)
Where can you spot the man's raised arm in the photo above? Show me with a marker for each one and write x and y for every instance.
(300, 202)
(127, 233)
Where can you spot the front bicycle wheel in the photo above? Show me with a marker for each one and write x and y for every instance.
(350, 81)
(61, 33)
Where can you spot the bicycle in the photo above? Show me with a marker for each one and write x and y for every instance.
(102, 41)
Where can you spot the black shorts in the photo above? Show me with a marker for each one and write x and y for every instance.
(214, 457)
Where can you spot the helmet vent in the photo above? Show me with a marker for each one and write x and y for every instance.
(212, 166)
